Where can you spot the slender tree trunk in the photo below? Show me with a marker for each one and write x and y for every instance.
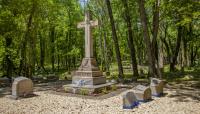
(7, 63)
(23, 61)
(161, 57)
(143, 17)
(52, 38)
(115, 39)
(106, 54)
(105, 49)
(193, 55)
(32, 54)
(42, 51)
(101, 46)
(155, 35)
(178, 44)
(130, 40)
(166, 45)
(181, 56)
(58, 67)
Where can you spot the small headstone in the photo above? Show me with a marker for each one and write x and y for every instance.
(38, 78)
(129, 100)
(4, 81)
(52, 77)
(157, 87)
(142, 93)
(22, 87)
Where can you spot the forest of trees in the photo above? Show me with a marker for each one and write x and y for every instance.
(41, 36)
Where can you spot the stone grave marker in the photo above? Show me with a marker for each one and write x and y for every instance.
(22, 87)
(157, 86)
(142, 93)
(4, 81)
(129, 100)
(52, 77)
(38, 79)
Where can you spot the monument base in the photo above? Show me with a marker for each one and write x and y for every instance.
(87, 89)
(88, 79)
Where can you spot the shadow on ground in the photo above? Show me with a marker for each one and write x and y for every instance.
(37, 87)
(183, 87)
(184, 91)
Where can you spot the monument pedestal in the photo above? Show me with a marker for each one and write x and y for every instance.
(88, 79)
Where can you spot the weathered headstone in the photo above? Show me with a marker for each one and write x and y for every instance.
(129, 100)
(156, 87)
(142, 93)
(22, 87)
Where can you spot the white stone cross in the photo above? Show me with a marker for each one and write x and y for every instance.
(87, 24)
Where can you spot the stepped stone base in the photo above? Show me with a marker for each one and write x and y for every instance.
(88, 78)
(86, 90)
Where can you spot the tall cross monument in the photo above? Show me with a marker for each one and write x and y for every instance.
(88, 76)
(88, 72)
(88, 24)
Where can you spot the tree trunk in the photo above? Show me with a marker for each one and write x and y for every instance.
(164, 41)
(115, 39)
(130, 40)
(7, 62)
(23, 61)
(178, 44)
(106, 54)
(42, 51)
(143, 17)
(193, 55)
(161, 57)
(155, 35)
(32, 54)
(52, 38)
(182, 55)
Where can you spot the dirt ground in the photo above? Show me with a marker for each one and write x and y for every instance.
(179, 98)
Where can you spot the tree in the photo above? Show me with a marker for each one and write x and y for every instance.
(115, 39)
(147, 40)
(130, 39)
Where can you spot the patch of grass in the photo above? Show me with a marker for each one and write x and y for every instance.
(113, 87)
(84, 91)
(105, 90)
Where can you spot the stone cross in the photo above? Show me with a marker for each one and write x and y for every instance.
(87, 24)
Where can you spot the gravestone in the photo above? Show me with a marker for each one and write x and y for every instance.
(142, 93)
(129, 100)
(157, 87)
(88, 76)
(52, 77)
(22, 87)
(38, 79)
(4, 81)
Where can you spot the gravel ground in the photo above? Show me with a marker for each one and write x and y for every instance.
(176, 101)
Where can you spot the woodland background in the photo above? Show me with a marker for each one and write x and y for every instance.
(135, 38)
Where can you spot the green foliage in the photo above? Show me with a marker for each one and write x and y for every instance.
(84, 91)
(52, 36)
(113, 87)
(105, 90)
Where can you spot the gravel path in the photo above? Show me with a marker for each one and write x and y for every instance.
(174, 102)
